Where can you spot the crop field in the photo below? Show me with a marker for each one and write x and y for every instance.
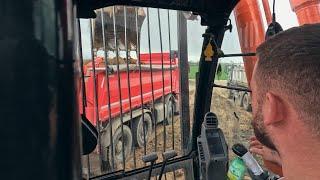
(221, 75)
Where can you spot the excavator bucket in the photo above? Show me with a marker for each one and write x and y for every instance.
(109, 28)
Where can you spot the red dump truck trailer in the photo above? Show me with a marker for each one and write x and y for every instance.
(148, 108)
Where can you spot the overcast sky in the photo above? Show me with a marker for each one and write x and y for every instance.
(285, 17)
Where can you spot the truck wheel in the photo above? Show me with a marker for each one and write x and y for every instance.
(170, 110)
(138, 131)
(246, 102)
(118, 138)
(237, 99)
(240, 99)
(230, 95)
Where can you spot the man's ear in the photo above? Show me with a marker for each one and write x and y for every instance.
(273, 109)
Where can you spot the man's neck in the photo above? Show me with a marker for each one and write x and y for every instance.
(301, 161)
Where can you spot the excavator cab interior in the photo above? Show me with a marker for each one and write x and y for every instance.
(60, 135)
(211, 142)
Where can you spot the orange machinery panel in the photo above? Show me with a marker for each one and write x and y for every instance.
(251, 31)
(307, 11)
(267, 12)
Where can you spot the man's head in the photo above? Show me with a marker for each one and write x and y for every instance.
(286, 84)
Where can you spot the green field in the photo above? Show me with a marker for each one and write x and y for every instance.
(220, 76)
(193, 70)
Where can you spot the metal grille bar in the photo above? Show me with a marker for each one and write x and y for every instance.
(232, 88)
(128, 77)
(108, 89)
(140, 80)
(119, 84)
(184, 81)
(95, 95)
(163, 95)
(171, 81)
(237, 55)
(83, 89)
(152, 88)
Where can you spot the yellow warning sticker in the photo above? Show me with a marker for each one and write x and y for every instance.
(208, 52)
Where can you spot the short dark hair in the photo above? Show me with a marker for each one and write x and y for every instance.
(289, 64)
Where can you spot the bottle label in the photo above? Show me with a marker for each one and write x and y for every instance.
(236, 170)
(252, 164)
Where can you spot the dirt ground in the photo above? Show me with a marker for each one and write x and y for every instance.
(236, 130)
(233, 119)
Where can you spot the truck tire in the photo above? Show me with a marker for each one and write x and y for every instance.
(137, 129)
(237, 99)
(230, 94)
(240, 98)
(117, 139)
(246, 102)
(170, 110)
